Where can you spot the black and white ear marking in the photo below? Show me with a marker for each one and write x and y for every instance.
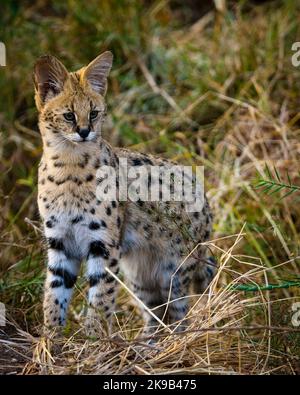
(49, 77)
(97, 71)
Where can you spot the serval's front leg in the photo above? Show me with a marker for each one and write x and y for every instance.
(61, 277)
(104, 252)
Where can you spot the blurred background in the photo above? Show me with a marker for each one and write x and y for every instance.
(201, 82)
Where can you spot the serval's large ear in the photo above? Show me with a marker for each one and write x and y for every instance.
(49, 78)
(97, 71)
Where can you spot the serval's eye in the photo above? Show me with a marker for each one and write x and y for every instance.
(69, 116)
(93, 115)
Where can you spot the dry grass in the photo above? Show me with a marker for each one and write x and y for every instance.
(218, 91)
(217, 339)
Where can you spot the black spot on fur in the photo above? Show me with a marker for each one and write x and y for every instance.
(109, 279)
(92, 211)
(49, 224)
(206, 235)
(103, 224)
(68, 278)
(89, 177)
(153, 303)
(97, 248)
(108, 210)
(94, 279)
(170, 266)
(77, 219)
(51, 178)
(60, 182)
(94, 225)
(56, 283)
(59, 164)
(113, 262)
(186, 280)
(55, 244)
(196, 215)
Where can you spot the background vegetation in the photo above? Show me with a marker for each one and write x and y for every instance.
(200, 86)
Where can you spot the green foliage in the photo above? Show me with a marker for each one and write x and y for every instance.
(274, 184)
(270, 287)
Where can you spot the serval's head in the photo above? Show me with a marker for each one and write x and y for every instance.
(71, 105)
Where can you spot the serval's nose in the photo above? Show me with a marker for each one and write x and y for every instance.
(83, 132)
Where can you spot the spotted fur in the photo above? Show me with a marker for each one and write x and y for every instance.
(144, 239)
